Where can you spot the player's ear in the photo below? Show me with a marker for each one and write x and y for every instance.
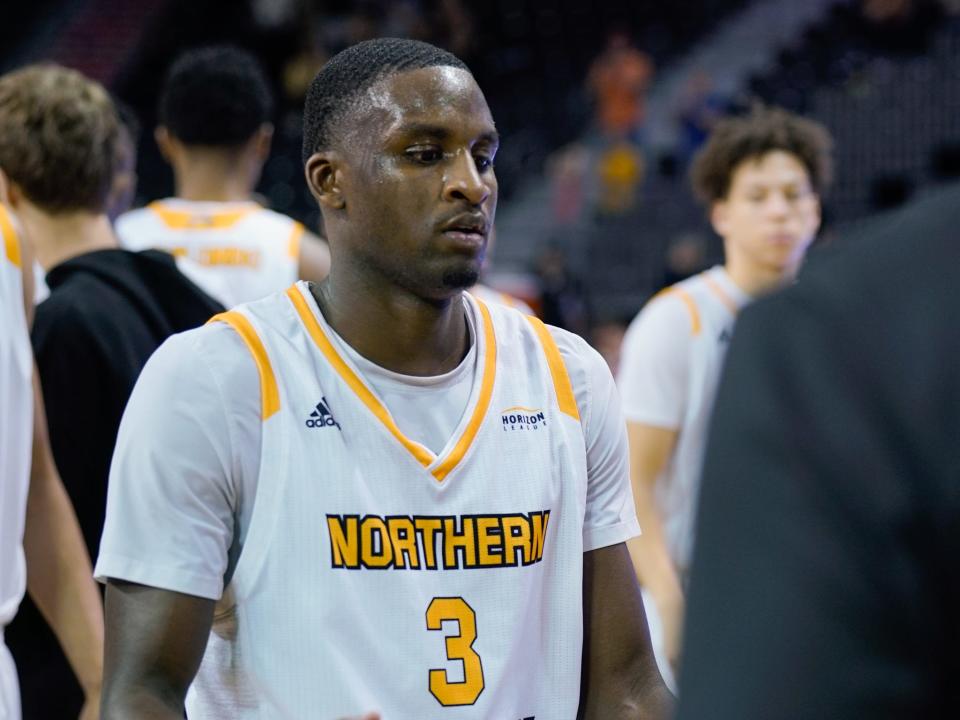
(324, 179)
(719, 213)
(165, 142)
(262, 140)
(10, 194)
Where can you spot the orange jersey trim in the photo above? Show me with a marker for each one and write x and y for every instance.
(421, 454)
(11, 239)
(691, 304)
(293, 244)
(483, 402)
(558, 369)
(186, 220)
(269, 393)
(721, 294)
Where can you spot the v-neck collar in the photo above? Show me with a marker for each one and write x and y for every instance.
(719, 282)
(439, 466)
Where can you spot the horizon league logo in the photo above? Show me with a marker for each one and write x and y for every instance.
(322, 417)
(521, 418)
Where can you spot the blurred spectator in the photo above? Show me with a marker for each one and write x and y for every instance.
(699, 109)
(563, 296)
(686, 256)
(567, 169)
(620, 172)
(901, 26)
(606, 337)
(618, 81)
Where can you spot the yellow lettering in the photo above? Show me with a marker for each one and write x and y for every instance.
(540, 521)
(452, 540)
(343, 540)
(459, 648)
(230, 256)
(516, 536)
(488, 530)
(372, 524)
(429, 527)
(403, 537)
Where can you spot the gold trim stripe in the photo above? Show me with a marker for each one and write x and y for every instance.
(422, 455)
(186, 220)
(558, 370)
(366, 396)
(721, 294)
(483, 402)
(691, 308)
(293, 244)
(11, 239)
(269, 393)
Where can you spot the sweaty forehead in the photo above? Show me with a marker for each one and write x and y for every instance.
(445, 96)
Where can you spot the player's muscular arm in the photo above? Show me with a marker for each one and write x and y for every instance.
(620, 679)
(154, 644)
(650, 450)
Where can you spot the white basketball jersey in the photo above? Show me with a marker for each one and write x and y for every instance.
(377, 575)
(710, 303)
(16, 428)
(238, 251)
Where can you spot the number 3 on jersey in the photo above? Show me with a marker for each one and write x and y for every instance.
(459, 647)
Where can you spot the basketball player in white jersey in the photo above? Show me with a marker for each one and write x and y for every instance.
(761, 177)
(214, 130)
(41, 548)
(422, 512)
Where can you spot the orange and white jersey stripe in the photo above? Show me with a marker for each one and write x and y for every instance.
(376, 573)
(669, 369)
(236, 252)
(16, 429)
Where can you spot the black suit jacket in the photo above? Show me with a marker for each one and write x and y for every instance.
(826, 571)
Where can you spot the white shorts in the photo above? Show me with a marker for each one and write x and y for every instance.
(656, 639)
(9, 686)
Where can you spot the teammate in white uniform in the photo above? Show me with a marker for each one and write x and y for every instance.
(761, 176)
(40, 542)
(214, 131)
(423, 511)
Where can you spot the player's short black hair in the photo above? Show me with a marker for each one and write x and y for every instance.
(216, 96)
(350, 72)
(762, 130)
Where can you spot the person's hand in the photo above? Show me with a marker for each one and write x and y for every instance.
(91, 705)
(368, 716)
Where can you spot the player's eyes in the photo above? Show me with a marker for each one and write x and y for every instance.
(483, 162)
(425, 156)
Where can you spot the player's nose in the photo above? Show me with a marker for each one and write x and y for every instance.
(463, 181)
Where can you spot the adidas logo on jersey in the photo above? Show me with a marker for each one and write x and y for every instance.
(322, 417)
